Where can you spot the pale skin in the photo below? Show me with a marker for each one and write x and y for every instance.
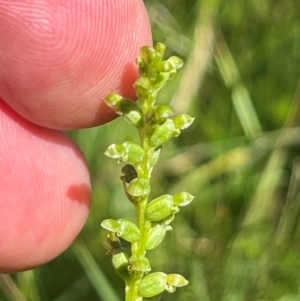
(58, 60)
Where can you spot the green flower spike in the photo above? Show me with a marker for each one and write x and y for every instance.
(156, 125)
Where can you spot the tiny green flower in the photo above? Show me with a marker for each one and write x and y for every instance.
(176, 280)
(122, 228)
(176, 62)
(162, 113)
(125, 107)
(113, 99)
(138, 187)
(139, 264)
(183, 121)
(160, 208)
(125, 152)
(128, 230)
(162, 133)
(115, 151)
(110, 225)
(153, 284)
(182, 198)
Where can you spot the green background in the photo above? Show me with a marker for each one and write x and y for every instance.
(239, 239)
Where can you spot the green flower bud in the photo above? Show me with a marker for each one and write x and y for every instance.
(154, 72)
(122, 228)
(176, 280)
(182, 198)
(162, 133)
(113, 99)
(120, 262)
(176, 62)
(128, 230)
(153, 284)
(138, 187)
(160, 208)
(143, 87)
(134, 152)
(155, 236)
(161, 49)
(125, 152)
(162, 112)
(149, 57)
(164, 67)
(139, 264)
(161, 79)
(142, 62)
(165, 71)
(111, 225)
(130, 111)
(125, 107)
(183, 121)
(115, 151)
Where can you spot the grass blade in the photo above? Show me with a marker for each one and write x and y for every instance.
(100, 283)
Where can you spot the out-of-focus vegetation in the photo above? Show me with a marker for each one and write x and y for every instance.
(240, 238)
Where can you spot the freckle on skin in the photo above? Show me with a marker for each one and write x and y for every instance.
(79, 193)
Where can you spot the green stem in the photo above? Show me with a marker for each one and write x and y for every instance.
(132, 289)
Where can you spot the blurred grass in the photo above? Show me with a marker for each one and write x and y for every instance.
(239, 240)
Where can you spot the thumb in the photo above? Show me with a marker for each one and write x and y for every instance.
(58, 59)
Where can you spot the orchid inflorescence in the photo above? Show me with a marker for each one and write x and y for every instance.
(156, 125)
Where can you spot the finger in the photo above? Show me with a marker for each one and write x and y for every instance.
(59, 59)
(45, 192)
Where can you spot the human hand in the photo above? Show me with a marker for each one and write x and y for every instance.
(58, 59)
